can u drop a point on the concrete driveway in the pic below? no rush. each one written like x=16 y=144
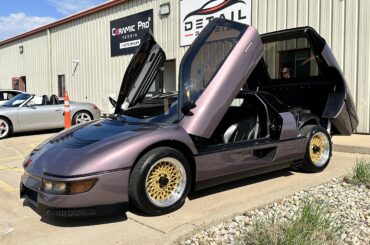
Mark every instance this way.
x=20 y=224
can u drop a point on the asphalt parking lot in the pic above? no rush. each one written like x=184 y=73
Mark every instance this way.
x=21 y=224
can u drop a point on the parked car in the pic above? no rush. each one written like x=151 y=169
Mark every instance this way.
x=233 y=117
x=27 y=112
x=7 y=94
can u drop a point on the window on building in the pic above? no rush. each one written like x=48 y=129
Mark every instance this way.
x=61 y=85
x=19 y=83
x=294 y=63
x=290 y=59
x=166 y=79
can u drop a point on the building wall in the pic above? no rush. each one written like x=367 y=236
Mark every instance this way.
x=33 y=63
x=88 y=40
x=343 y=23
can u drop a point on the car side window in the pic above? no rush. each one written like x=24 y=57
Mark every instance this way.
x=8 y=96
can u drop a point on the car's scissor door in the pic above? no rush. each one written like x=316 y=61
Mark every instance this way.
x=140 y=73
x=212 y=72
x=339 y=106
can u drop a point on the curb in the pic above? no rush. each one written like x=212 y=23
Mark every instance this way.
x=351 y=149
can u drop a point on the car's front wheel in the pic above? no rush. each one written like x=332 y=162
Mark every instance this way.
x=160 y=181
x=319 y=148
x=81 y=117
x=5 y=128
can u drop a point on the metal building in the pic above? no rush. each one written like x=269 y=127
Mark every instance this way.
x=76 y=53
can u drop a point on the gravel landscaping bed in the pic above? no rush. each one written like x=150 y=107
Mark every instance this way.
x=347 y=204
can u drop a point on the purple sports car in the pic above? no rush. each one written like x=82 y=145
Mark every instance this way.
x=247 y=104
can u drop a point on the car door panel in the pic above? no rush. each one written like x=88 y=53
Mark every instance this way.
x=215 y=166
x=40 y=117
x=140 y=73
x=224 y=86
x=229 y=161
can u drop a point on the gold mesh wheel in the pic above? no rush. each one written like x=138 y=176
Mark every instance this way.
x=319 y=149
x=165 y=182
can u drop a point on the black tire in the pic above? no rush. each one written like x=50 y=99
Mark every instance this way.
x=79 y=114
x=317 y=156
x=141 y=198
x=8 y=124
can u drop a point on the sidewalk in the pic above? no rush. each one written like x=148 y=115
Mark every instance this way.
x=357 y=143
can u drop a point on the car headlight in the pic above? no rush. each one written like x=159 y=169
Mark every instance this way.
x=67 y=187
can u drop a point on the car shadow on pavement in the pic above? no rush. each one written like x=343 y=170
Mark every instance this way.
x=120 y=217
x=83 y=221
x=50 y=131
x=239 y=183
x=78 y=221
x=227 y=186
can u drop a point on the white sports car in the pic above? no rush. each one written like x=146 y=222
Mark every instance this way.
x=27 y=112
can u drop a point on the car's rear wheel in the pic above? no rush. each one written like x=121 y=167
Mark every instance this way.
x=160 y=181
x=5 y=128
x=81 y=117
x=319 y=148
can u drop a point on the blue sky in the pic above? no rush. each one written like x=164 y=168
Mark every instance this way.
x=18 y=16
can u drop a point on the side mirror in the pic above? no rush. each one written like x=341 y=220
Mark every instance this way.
x=187 y=107
x=113 y=102
x=31 y=104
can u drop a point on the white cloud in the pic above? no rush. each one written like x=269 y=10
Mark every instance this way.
x=17 y=23
x=68 y=7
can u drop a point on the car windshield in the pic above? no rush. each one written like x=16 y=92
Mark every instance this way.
x=156 y=107
x=17 y=100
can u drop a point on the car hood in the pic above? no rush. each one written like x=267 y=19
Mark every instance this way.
x=107 y=128
x=91 y=148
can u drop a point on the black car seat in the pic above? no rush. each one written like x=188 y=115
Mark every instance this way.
x=246 y=129
x=45 y=100
x=54 y=100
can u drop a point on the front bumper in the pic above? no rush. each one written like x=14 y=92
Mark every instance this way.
x=109 y=195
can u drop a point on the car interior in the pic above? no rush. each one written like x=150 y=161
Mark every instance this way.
x=246 y=120
x=44 y=100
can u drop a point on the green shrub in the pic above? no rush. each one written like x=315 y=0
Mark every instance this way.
x=311 y=224
x=361 y=172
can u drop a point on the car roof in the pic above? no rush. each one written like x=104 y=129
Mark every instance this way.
x=11 y=90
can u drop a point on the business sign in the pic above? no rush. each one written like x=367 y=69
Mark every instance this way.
x=126 y=33
x=196 y=14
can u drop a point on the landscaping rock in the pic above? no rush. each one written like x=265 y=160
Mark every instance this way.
x=349 y=202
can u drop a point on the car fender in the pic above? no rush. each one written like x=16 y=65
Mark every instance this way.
x=12 y=115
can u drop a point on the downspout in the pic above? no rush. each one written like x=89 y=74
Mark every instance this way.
x=50 y=66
